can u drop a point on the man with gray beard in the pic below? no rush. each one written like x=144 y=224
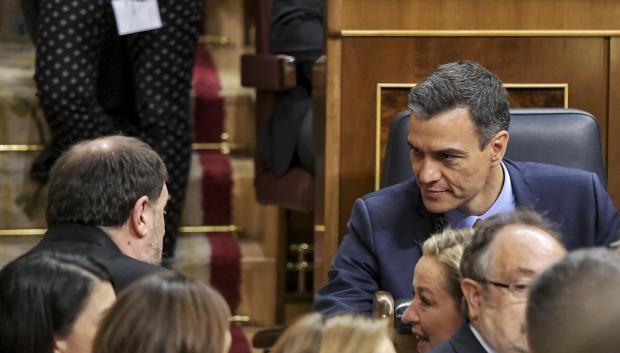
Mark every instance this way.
x=106 y=200
x=506 y=254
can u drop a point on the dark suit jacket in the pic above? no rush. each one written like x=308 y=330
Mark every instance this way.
x=388 y=227
x=463 y=341
x=296 y=30
x=92 y=241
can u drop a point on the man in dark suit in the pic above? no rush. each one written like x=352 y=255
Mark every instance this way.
x=573 y=306
x=506 y=255
x=92 y=82
x=458 y=136
x=106 y=199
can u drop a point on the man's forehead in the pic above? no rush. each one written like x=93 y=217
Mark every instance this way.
x=448 y=125
x=524 y=249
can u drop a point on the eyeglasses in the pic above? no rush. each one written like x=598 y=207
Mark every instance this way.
x=516 y=289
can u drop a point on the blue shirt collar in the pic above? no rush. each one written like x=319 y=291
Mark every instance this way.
x=505 y=203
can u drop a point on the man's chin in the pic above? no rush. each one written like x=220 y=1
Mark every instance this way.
x=435 y=206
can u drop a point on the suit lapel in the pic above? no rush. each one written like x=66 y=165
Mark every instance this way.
x=464 y=341
x=524 y=195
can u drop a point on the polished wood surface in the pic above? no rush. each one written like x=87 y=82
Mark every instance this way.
x=364 y=51
x=412 y=59
x=479 y=14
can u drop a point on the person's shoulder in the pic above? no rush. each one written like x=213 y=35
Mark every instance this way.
x=535 y=171
x=125 y=270
x=405 y=191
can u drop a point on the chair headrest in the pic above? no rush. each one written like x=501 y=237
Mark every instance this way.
x=564 y=137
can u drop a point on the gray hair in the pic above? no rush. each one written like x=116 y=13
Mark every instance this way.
x=476 y=256
x=475 y=260
x=464 y=84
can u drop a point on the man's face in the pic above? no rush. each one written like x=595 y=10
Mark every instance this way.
x=450 y=168
x=517 y=256
x=158 y=228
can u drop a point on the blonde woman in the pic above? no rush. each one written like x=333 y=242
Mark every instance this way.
x=356 y=334
x=166 y=313
x=434 y=312
x=304 y=336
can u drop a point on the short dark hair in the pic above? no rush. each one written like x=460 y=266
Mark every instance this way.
x=464 y=84
x=180 y=314
x=572 y=307
x=474 y=263
x=97 y=182
x=41 y=295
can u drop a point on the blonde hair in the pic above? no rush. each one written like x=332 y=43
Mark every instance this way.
x=447 y=247
x=165 y=313
x=304 y=336
x=353 y=334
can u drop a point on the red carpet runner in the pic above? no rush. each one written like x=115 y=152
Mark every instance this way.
x=216 y=188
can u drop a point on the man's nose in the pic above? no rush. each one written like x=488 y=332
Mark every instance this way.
x=410 y=316
x=428 y=171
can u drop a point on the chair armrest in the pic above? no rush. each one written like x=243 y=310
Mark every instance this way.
x=268 y=72
x=383 y=306
x=265 y=339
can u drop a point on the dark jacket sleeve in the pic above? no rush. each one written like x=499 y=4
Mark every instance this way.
x=353 y=274
x=607 y=220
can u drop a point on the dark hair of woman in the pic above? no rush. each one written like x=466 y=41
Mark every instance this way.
x=41 y=295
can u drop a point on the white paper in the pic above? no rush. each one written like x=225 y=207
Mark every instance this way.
x=136 y=15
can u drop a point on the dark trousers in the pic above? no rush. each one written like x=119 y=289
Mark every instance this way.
x=71 y=37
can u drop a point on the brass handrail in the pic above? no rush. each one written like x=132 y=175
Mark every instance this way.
x=224 y=147
x=231 y=228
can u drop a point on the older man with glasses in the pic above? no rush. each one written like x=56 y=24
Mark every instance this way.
x=507 y=253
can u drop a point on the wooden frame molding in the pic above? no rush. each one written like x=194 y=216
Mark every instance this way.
x=476 y=33
x=182 y=229
x=224 y=147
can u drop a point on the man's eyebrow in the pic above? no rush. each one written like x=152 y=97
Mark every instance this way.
x=525 y=271
x=419 y=290
x=452 y=152
x=447 y=151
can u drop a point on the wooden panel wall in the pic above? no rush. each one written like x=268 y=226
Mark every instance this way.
x=401 y=41
x=478 y=14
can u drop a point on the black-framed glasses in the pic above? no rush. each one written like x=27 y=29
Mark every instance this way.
x=517 y=289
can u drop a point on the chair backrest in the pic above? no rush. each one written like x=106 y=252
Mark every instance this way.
x=564 y=137
x=262 y=23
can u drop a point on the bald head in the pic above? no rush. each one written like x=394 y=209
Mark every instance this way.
x=97 y=182
x=517 y=245
x=518 y=227
x=506 y=255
